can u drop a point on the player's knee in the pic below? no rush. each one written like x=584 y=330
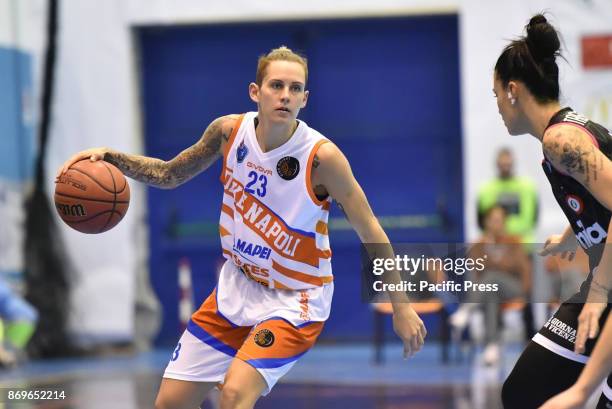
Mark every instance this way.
x=231 y=396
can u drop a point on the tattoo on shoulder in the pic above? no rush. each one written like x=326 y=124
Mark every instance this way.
x=315 y=161
x=227 y=135
x=575 y=158
x=226 y=132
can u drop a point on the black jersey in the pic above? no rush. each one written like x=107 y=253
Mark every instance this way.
x=588 y=218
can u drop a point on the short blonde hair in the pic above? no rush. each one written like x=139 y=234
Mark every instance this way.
x=281 y=53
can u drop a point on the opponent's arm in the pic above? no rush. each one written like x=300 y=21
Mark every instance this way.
x=172 y=173
x=571 y=150
x=332 y=174
x=564 y=244
x=595 y=371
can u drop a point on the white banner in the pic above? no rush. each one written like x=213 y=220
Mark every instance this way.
x=94 y=106
x=11 y=228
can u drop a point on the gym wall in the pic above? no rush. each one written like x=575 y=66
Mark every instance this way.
x=98 y=98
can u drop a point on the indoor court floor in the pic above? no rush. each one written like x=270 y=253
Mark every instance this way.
x=329 y=376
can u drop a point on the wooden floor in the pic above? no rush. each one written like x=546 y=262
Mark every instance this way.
x=338 y=377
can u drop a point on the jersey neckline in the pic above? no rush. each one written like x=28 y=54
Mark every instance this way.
x=293 y=140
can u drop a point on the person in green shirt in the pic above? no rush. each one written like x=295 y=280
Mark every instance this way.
x=519 y=198
x=517 y=195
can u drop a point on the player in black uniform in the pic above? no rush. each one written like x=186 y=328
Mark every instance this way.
x=577 y=163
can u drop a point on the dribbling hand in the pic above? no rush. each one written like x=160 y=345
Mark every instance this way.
x=93 y=154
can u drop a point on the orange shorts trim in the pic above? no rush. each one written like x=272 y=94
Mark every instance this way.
x=276 y=342
x=272 y=343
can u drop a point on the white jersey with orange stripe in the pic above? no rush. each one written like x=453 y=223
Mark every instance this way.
x=272 y=225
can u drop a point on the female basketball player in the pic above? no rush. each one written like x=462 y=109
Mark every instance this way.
x=595 y=371
x=275 y=289
x=577 y=163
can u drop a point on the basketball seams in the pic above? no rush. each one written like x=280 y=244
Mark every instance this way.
x=93 y=179
x=92 y=199
x=110 y=216
x=93 y=217
x=113 y=176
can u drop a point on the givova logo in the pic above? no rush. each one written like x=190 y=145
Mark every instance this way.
x=590 y=236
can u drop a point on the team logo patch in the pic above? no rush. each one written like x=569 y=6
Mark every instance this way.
x=575 y=203
x=241 y=152
x=288 y=167
x=264 y=338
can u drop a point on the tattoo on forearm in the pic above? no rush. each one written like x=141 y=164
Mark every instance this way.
x=143 y=169
x=183 y=167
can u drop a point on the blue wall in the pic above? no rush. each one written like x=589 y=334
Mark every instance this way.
x=16 y=154
x=16 y=134
x=386 y=91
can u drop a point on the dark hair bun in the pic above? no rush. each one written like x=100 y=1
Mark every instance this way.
x=542 y=38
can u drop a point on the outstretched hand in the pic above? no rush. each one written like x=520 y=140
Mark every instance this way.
x=556 y=245
x=410 y=328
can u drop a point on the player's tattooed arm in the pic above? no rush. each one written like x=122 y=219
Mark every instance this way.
x=572 y=151
x=575 y=154
x=186 y=165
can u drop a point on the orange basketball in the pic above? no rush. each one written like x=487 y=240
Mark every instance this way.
x=92 y=197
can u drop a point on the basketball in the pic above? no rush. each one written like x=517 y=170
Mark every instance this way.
x=92 y=197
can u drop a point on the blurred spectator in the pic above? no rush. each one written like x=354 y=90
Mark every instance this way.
x=18 y=322
x=517 y=195
x=506 y=266
x=519 y=198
